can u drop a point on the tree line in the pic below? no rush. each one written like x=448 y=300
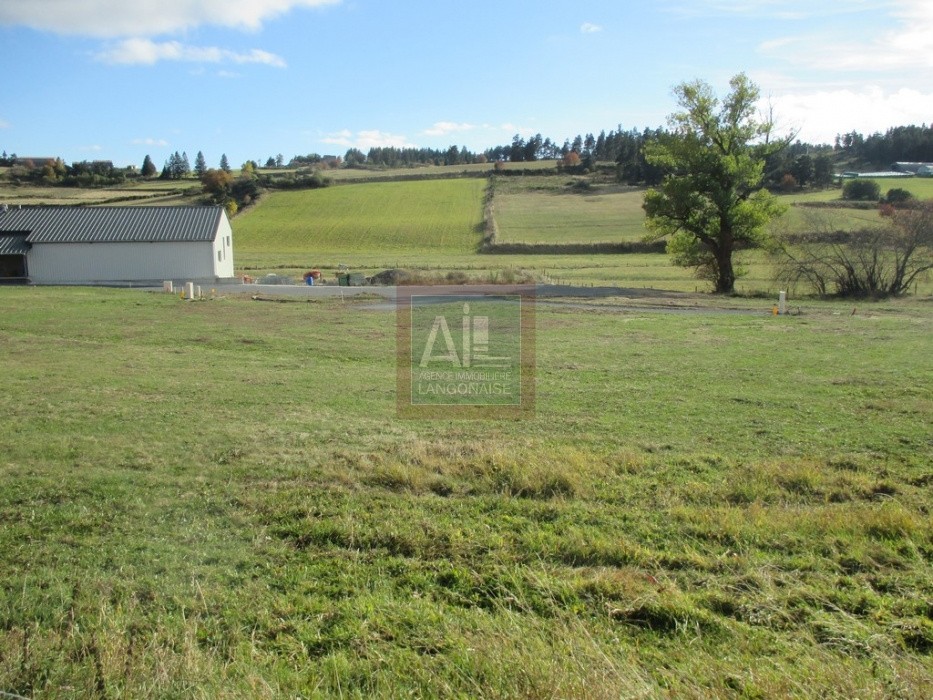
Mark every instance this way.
x=897 y=144
x=798 y=165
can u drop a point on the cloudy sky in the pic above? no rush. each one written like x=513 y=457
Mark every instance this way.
x=120 y=79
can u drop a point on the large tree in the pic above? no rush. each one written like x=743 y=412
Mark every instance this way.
x=149 y=168
x=200 y=165
x=712 y=202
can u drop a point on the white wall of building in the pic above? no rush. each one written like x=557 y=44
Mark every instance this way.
x=223 y=249
x=106 y=261
x=64 y=263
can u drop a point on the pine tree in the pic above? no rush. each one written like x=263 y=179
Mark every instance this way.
x=224 y=163
x=149 y=168
x=200 y=165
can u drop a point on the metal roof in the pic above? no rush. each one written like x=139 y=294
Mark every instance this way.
x=13 y=244
x=112 y=224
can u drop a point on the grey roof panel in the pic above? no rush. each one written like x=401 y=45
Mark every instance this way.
x=13 y=244
x=113 y=224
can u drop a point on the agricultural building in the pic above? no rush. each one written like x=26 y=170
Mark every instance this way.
x=114 y=245
x=922 y=169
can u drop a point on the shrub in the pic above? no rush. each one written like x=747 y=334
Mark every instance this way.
x=864 y=190
x=877 y=262
x=788 y=183
x=898 y=195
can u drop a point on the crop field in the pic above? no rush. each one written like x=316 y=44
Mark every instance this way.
x=436 y=226
x=215 y=500
x=349 y=174
x=920 y=187
x=557 y=210
x=141 y=192
x=373 y=219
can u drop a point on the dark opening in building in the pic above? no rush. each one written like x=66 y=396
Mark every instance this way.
x=13 y=249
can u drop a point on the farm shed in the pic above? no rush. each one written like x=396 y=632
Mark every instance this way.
x=923 y=169
x=101 y=245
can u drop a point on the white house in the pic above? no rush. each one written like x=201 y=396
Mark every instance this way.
x=101 y=245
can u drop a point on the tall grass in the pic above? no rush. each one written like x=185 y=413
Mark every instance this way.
x=214 y=499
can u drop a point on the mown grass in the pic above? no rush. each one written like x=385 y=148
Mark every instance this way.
x=433 y=226
x=473 y=169
x=215 y=500
x=429 y=217
x=567 y=210
x=436 y=226
x=134 y=192
x=920 y=187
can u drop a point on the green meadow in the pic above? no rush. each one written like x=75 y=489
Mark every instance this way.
x=364 y=222
x=567 y=210
x=216 y=500
x=437 y=226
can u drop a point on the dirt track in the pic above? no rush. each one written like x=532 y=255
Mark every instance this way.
x=551 y=296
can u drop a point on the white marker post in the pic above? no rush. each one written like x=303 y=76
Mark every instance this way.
x=190 y=291
x=782 y=303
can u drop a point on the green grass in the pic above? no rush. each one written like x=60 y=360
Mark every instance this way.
x=378 y=219
x=552 y=210
x=349 y=174
x=133 y=192
x=215 y=500
x=436 y=226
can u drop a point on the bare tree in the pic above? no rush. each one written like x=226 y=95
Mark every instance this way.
x=879 y=261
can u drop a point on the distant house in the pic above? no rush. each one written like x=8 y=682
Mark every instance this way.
x=34 y=162
x=115 y=245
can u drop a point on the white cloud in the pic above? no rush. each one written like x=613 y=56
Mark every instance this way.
x=444 y=128
x=832 y=83
x=147 y=52
x=821 y=114
x=95 y=148
x=774 y=9
x=907 y=46
x=114 y=18
x=364 y=140
x=150 y=142
x=340 y=138
x=590 y=28
x=513 y=129
x=4 y=124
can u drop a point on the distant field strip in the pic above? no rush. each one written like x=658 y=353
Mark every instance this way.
x=431 y=216
x=559 y=216
x=554 y=214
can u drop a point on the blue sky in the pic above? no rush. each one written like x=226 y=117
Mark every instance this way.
x=120 y=79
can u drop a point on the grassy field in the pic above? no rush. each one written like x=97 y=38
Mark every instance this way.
x=920 y=187
x=430 y=225
x=349 y=174
x=415 y=218
x=434 y=225
x=215 y=500
x=554 y=210
x=140 y=192
x=437 y=226
x=557 y=210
